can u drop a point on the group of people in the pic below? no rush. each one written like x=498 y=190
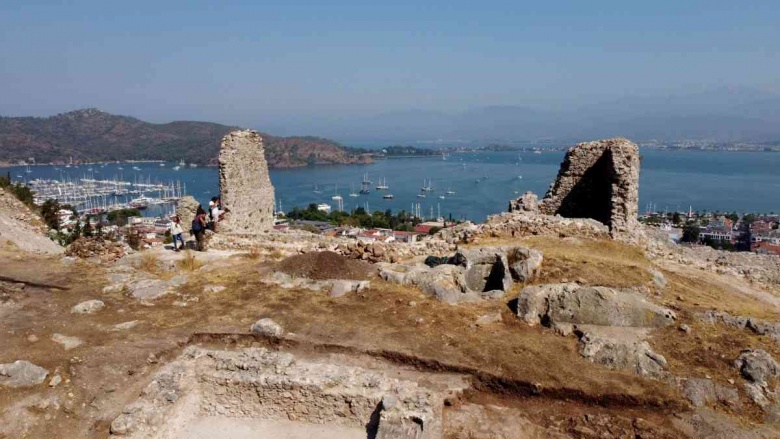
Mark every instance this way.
x=203 y=221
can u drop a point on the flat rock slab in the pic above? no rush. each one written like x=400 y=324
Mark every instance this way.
x=67 y=342
x=148 y=289
x=21 y=373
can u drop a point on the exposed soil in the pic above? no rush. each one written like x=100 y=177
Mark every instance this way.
x=325 y=265
x=530 y=370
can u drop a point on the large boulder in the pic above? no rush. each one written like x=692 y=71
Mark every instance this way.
x=598 y=180
x=444 y=282
x=244 y=185
x=574 y=304
x=758 y=366
x=524 y=263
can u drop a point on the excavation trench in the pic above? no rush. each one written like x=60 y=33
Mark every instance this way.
x=257 y=387
x=480 y=381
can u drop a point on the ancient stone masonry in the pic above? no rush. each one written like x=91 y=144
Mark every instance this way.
x=598 y=180
x=244 y=184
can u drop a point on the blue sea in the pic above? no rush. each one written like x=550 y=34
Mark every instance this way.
x=483 y=182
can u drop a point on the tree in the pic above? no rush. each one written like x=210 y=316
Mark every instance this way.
x=676 y=218
x=119 y=217
x=50 y=214
x=691 y=233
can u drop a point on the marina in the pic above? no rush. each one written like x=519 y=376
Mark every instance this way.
x=97 y=196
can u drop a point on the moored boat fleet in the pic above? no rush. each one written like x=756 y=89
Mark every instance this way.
x=94 y=196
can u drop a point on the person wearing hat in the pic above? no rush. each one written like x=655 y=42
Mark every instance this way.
x=176 y=231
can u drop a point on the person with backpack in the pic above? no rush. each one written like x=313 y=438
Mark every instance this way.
x=199 y=227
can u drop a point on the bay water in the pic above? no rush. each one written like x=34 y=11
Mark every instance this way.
x=482 y=182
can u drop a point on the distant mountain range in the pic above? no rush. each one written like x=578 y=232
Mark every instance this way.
x=727 y=114
x=93 y=135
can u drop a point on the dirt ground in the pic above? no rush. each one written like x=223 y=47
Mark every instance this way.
x=325 y=265
x=529 y=370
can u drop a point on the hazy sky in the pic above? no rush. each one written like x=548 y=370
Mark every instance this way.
x=256 y=62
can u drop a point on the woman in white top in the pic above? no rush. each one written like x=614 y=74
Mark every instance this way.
x=177 y=232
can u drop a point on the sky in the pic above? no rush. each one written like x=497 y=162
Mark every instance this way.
x=284 y=64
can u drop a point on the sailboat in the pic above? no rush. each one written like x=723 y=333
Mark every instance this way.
x=336 y=197
x=316 y=189
x=382 y=186
x=450 y=191
x=352 y=192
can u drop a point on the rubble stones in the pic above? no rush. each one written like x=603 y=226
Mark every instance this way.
x=21 y=373
x=95 y=247
x=88 y=307
x=517 y=225
x=598 y=180
x=572 y=303
x=244 y=185
x=267 y=327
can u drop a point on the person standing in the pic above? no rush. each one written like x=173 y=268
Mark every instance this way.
x=177 y=232
x=199 y=227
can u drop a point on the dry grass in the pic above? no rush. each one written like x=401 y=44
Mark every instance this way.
x=189 y=262
x=148 y=262
x=595 y=261
x=253 y=254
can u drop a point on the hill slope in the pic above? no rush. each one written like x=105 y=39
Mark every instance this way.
x=91 y=134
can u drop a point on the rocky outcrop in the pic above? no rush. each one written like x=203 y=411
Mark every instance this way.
x=598 y=180
x=23 y=228
x=760 y=370
x=470 y=274
x=758 y=326
x=612 y=325
x=244 y=185
x=574 y=304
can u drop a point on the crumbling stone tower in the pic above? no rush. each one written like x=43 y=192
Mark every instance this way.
x=244 y=184
x=598 y=180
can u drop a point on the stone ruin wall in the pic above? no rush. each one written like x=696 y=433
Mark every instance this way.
x=598 y=180
x=244 y=184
